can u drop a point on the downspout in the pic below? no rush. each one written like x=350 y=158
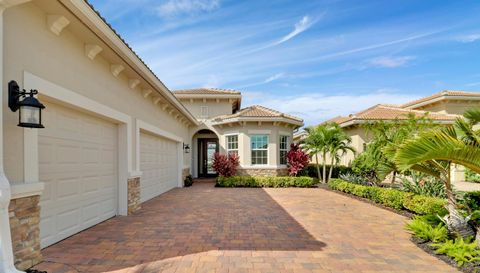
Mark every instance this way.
x=6 y=253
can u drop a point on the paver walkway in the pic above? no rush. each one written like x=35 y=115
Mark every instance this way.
x=207 y=229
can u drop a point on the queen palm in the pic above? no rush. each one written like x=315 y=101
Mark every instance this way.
x=434 y=151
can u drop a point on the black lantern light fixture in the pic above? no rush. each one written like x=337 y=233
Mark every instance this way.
x=30 y=109
x=186 y=148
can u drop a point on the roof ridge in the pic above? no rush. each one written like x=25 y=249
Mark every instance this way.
x=446 y=92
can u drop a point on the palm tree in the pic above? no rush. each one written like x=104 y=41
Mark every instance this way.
x=315 y=143
x=339 y=145
x=434 y=151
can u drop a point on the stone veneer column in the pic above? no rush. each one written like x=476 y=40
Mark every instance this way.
x=133 y=195
x=24 y=216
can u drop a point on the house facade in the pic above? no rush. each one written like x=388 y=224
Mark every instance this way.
x=442 y=108
x=115 y=136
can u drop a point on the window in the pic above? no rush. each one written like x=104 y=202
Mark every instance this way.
x=283 y=149
x=204 y=111
x=232 y=144
x=259 y=149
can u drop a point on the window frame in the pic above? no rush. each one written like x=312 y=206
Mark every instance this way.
x=227 y=143
x=252 y=150
x=280 y=150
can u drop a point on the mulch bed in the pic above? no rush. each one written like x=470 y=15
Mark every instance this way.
x=365 y=200
x=425 y=246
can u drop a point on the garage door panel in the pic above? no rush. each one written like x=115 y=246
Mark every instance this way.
x=158 y=163
x=78 y=164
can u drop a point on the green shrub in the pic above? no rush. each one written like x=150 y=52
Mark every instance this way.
x=265 y=182
x=425 y=204
x=471 y=176
x=471 y=200
x=392 y=198
x=423 y=230
x=188 y=181
x=311 y=170
x=462 y=251
x=355 y=179
x=431 y=219
x=423 y=185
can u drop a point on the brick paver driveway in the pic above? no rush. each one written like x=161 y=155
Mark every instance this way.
x=207 y=229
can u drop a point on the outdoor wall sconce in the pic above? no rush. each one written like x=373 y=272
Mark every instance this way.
x=30 y=114
x=186 y=148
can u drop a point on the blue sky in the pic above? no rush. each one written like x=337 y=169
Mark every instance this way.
x=313 y=59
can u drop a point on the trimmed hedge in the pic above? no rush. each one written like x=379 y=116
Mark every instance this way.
x=392 y=198
x=265 y=182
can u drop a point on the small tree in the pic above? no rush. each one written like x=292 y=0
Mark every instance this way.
x=225 y=165
x=297 y=159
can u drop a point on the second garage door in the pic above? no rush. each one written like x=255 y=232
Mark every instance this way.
x=78 y=163
x=159 y=165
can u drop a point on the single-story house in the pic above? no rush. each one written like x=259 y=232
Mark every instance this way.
x=115 y=136
x=442 y=108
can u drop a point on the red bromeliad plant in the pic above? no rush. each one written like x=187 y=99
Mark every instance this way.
x=297 y=159
x=225 y=165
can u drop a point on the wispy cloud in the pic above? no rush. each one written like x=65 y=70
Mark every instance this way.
x=305 y=23
x=469 y=38
x=274 y=77
x=173 y=8
x=391 y=62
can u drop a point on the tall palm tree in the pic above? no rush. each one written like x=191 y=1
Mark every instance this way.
x=434 y=151
x=315 y=144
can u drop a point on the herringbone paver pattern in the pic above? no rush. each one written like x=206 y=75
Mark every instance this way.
x=207 y=229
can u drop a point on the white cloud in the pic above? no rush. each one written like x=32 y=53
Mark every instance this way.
x=468 y=38
x=305 y=23
x=315 y=108
x=274 y=77
x=391 y=62
x=186 y=7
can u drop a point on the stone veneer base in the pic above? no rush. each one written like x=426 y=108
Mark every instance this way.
x=24 y=215
x=133 y=195
x=262 y=172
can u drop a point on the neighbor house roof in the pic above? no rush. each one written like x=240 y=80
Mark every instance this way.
x=446 y=94
x=389 y=112
x=258 y=113
x=207 y=91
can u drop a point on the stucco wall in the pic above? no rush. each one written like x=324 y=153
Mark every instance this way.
x=451 y=107
x=223 y=107
x=244 y=151
x=31 y=47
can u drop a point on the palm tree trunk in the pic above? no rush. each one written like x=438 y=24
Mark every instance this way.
x=324 y=173
x=456 y=223
x=394 y=176
x=318 y=166
x=331 y=170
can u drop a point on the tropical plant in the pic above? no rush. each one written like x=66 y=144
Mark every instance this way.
x=377 y=161
x=461 y=250
x=326 y=139
x=434 y=151
x=355 y=179
x=225 y=165
x=297 y=160
x=471 y=176
x=420 y=183
x=423 y=230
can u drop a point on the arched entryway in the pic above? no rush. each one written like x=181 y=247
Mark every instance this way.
x=205 y=144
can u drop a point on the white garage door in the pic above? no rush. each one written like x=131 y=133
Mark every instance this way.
x=158 y=163
x=78 y=164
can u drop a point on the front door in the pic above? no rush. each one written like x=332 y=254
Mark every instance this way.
x=206 y=148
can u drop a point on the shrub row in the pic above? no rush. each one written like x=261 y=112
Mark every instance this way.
x=311 y=170
x=396 y=199
x=264 y=182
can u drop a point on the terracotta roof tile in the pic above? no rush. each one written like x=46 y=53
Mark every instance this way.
x=445 y=93
x=388 y=112
x=258 y=111
x=206 y=91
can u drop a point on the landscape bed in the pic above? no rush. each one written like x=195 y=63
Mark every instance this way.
x=264 y=182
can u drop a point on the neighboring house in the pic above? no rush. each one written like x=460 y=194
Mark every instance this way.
x=260 y=136
x=114 y=135
x=443 y=108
